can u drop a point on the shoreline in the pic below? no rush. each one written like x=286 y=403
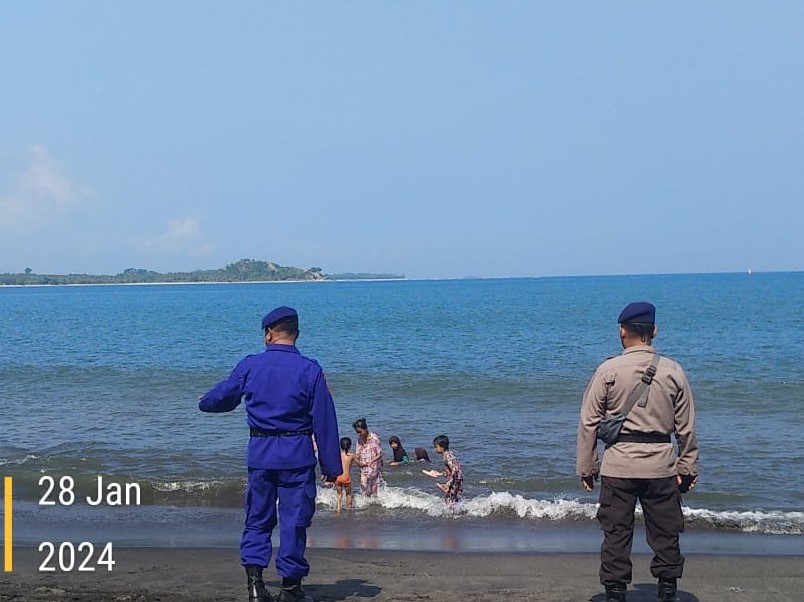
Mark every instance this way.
x=418 y=278
x=204 y=574
x=203 y=282
x=414 y=279
x=206 y=282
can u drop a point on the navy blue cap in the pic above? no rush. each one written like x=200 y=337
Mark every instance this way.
x=640 y=312
x=280 y=313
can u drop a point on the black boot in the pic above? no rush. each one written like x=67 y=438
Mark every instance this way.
x=292 y=591
x=667 y=590
x=256 y=586
x=616 y=592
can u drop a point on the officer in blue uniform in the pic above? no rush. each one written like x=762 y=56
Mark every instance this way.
x=287 y=404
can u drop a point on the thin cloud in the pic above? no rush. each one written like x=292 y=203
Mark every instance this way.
x=182 y=236
x=40 y=192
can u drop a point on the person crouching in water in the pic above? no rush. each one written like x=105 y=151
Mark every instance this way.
x=400 y=455
x=453 y=488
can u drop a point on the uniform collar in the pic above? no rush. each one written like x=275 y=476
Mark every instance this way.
x=278 y=347
x=639 y=348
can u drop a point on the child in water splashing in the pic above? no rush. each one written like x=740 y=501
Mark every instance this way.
x=453 y=470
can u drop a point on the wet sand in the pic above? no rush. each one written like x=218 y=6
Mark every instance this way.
x=202 y=575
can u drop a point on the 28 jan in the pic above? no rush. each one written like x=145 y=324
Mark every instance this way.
x=111 y=494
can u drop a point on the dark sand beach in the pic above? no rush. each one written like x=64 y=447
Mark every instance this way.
x=177 y=575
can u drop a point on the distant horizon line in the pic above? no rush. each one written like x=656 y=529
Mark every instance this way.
x=373 y=274
x=750 y=272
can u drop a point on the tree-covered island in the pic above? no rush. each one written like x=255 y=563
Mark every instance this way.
x=245 y=270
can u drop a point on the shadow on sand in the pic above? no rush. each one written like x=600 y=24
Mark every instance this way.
x=343 y=589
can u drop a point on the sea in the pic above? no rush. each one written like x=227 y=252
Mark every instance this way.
x=102 y=382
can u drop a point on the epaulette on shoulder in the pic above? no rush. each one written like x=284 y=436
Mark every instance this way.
x=312 y=360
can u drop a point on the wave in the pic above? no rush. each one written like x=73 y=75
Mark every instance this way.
x=754 y=521
x=18 y=461
x=504 y=505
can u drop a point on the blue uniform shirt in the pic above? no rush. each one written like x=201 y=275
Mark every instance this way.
x=283 y=391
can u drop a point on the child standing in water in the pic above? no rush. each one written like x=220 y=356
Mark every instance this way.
x=453 y=488
x=343 y=483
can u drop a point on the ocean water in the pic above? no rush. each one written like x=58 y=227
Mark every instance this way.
x=103 y=381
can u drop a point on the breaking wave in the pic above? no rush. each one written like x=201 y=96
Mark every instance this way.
x=505 y=505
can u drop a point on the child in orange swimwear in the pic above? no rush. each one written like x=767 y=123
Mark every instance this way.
x=343 y=483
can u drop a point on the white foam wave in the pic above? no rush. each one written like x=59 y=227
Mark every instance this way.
x=754 y=521
x=392 y=498
x=182 y=486
x=5 y=461
x=187 y=486
x=507 y=503
x=494 y=504
x=504 y=504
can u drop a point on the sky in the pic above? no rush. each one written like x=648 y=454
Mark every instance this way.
x=433 y=139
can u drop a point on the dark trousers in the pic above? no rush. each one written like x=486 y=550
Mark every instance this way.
x=661 y=508
x=295 y=491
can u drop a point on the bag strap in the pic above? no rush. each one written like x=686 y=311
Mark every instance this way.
x=640 y=393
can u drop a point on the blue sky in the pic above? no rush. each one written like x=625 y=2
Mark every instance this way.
x=435 y=139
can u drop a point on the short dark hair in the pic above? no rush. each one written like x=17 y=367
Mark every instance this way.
x=346 y=444
x=289 y=325
x=441 y=441
x=643 y=330
x=360 y=423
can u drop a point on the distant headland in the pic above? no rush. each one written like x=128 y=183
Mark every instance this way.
x=245 y=270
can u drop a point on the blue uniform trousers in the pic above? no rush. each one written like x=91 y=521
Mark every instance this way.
x=295 y=490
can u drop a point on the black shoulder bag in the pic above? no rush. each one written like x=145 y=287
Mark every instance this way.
x=608 y=431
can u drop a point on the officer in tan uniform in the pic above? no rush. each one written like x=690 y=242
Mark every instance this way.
x=643 y=464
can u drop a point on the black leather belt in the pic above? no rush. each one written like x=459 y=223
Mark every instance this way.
x=644 y=438
x=258 y=432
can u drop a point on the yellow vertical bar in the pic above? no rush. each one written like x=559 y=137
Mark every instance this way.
x=7 y=526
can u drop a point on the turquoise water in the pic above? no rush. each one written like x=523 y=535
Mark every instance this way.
x=104 y=380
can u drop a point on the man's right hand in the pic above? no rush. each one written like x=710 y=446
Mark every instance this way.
x=686 y=482
x=589 y=482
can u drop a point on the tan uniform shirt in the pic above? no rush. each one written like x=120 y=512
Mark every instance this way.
x=670 y=409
